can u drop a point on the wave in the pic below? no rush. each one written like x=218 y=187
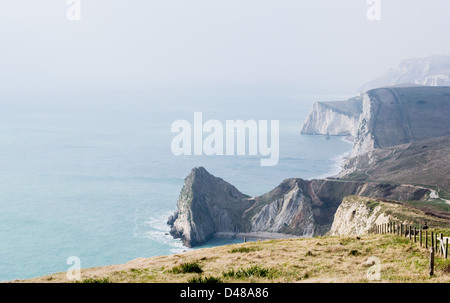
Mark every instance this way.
x=339 y=161
x=155 y=228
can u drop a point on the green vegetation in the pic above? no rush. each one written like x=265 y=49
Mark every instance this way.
x=433 y=205
x=98 y=280
x=354 y=252
x=245 y=249
x=320 y=259
x=190 y=267
x=208 y=280
x=253 y=271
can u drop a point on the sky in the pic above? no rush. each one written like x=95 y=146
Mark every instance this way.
x=309 y=46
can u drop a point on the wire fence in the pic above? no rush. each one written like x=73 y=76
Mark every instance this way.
x=436 y=242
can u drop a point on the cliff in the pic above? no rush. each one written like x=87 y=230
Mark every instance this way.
x=358 y=215
x=208 y=205
x=403 y=137
x=402 y=146
x=338 y=118
x=395 y=116
x=430 y=71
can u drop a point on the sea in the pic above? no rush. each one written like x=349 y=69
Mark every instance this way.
x=92 y=174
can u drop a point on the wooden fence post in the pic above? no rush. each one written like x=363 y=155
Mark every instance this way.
x=441 y=248
x=420 y=236
x=415 y=232
x=446 y=248
x=431 y=261
x=436 y=243
x=410 y=228
x=432 y=240
x=426 y=239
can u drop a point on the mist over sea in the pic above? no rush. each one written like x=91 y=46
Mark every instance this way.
x=92 y=175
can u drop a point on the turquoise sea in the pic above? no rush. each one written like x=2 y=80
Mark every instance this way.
x=92 y=175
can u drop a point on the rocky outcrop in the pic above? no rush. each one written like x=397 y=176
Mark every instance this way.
x=430 y=71
x=335 y=118
x=359 y=215
x=208 y=206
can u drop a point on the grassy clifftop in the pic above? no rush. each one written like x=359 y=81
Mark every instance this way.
x=320 y=259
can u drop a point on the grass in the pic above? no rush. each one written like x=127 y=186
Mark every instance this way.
x=436 y=205
x=93 y=280
x=208 y=280
x=244 y=249
x=190 y=267
x=253 y=271
x=319 y=259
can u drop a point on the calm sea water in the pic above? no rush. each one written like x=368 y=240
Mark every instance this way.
x=93 y=176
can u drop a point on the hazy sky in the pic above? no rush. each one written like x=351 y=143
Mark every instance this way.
x=315 y=46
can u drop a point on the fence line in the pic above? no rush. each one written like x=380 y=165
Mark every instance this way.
x=438 y=243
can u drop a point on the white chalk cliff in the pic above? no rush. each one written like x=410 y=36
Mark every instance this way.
x=335 y=118
x=430 y=71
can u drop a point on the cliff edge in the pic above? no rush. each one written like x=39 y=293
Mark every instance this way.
x=335 y=118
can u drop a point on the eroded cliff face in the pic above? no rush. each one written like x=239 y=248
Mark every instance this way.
x=291 y=212
x=364 y=140
x=400 y=115
x=338 y=118
x=398 y=122
x=208 y=205
x=358 y=215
